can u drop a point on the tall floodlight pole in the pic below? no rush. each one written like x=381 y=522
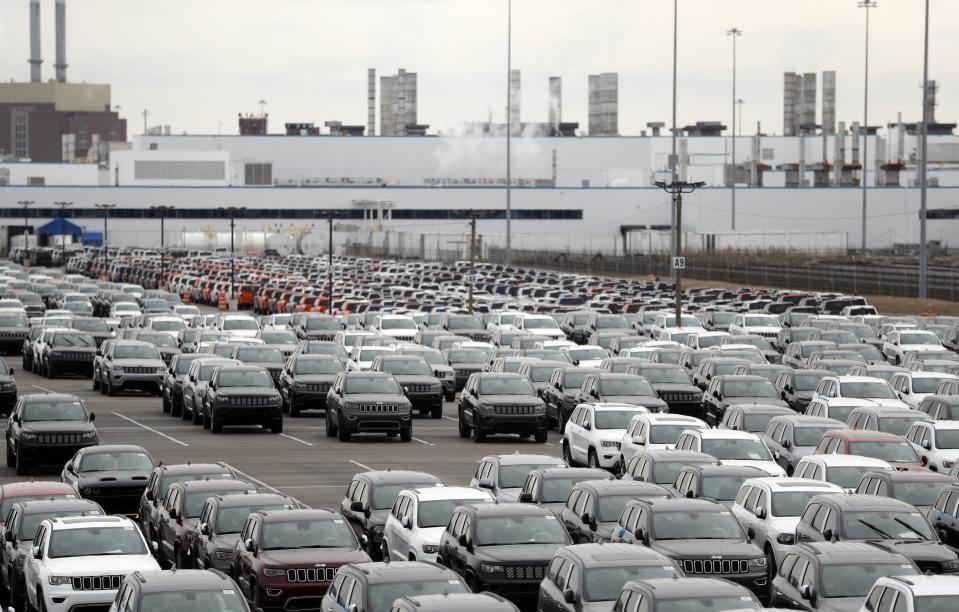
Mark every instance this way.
x=734 y=33
x=739 y=124
x=26 y=204
x=232 y=212
x=922 y=157
x=62 y=214
x=866 y=4
x=677 y=189
x=162 y=212
x=472 y=215
x=509 y=131
x=673 y=234
x=106 y=208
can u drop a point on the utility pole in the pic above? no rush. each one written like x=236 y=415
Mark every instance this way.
x=162 y=212
x=106 y=208
x=232 y=212
x=922 y=156
x=866 y=4
x=672 y=242
x=509 y=131
x=330 y=215
x=677 y=189
x=734 y=33
x=472 y=215
x=739 y=124
x=26 y=222
x=63 y=227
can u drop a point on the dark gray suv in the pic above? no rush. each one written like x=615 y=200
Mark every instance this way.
x=242 y=395
x=368 y=402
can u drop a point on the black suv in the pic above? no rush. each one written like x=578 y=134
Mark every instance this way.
x=702 y=536
x=8 y=388
x=369 y=498
x=731 y=390
x=673 y=385
x=796 y=387
x=662 y=466
x=594 y=506
x=503 y=548
x=584 y=575
x=70 y=351
x=368 y=402
x=173 y=383
x=374 y=587
x=415 y=375
x=672 y=594
x=464 y=325
x=267 y=357
x=144 y=591
x=314 y=326
x=221 y=520
x=461 y=602
x=716 y=482
x=501 y=403
x=833 y=576
x=550 y=487
x=242 y=395
x=306 y=380
x=886 y=523
x=560 y=393
x=620 y=389
x=48 y=428
x=98 y=328
x=112 y=475
x=14 y=328
x=920 y=489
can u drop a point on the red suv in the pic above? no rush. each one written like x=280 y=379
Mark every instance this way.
x=27 y=491
x=286 y=559
x=876 y=444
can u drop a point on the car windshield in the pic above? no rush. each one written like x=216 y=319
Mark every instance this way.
x=240 y=325
x=431 y=357
x=856 y=580
x=464 y=323
x=927 y=385
x=168 y=325
x=556 y=490
x=867 y=390
x=385 y=495
x=437 y=513
x=382 y=596
x=30 y=522
x=707 y=604
x=183 y=364
x=244 y=378
x=587 y=353
x=323 y=323
x=919 y=493
x=809 y=436
x=13 y=320
x=736 y=449
x=223 y=600
x=511 y=530
x=626 y=386
x=53 y=410
x=231 y=519
x=121 y=461
x=91 y=325
x=886 y=526
x=95 y=542
x=668 y=434
x=792 y=503
x=725 y=369
x=934 y=603
x=408 y=367
x=847 y=476
x=606 y=583
x=615 y=419
x=505 y=386
x=467 y=356
x=206 y=371
x=806 y=382
x=160 y=340
x=279 y=337
x=612 y=323
x=611 y=506
x=762 y=322
x=893 y=452
x=760 y=343
x=869 y=352
x=947 y=439
x=665 y=472
x=683 y=525
x=137 y=352
x=539 y=323
x=722 y=488
x=541 y=374
x=318 y=366
x=308 y=534
x=512 y=476
x=397 y=324
x=375 y=385
x=68 y=340
x=756 y=423
x=897 y=425
x=926 y=338
x=750 y=388
x=259 y=355
x=676 y=376
x=328 y=348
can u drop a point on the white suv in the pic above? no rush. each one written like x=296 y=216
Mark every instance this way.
x=913 y=387
x=80 y=561
x=901 y=341
x=418 y=518
x=936 y=443
x=912 y=594
x=731 y=448
x=594 y=433
x=540 y=325
x=400 y=327
x=765 y=325
x=858 y=391
x=655 y=431
x=843 y=470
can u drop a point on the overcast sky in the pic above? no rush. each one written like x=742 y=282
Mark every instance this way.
x=197 y=63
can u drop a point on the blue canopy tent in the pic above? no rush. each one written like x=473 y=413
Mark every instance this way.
x=59 y=227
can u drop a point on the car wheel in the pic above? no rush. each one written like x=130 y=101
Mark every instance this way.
x=111 y=390
x=474 y=583
x=450 y=396
x=344 y=434
x=11 y=458
x=21 y=464
x=178 y=559
x=195 y=415
x=464 y=429
x=276 y=426
x=567 y=455
x=215 y=425
x=51 y=371
x=479 y=435
x=206 y=420
x=592 y=460
x=770 y=570
x=437 y=411
x=292 y=408
x=103 y=388
x=330 y=427
x=541 y=435
x=385 y=550
x=406 y=434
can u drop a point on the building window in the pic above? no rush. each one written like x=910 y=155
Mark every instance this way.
x=82 y=138
x=114 y=131
x=258 y=174
x=20 y=137
x=36 y=181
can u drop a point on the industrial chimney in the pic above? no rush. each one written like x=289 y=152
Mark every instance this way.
x=61 y=65
x=35 y=59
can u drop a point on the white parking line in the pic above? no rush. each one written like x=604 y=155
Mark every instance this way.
x=423 y=441
x=365 y=467
x=44 y=389
x=263 y=485
x=549 y=444
x=150 y=429
x=451 y=419
x=297 y=440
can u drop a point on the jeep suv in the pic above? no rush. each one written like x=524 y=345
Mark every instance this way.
x=505 y=475
x=550 y=487
x=367 y=402
x=8 y=389
x=242 y=395
x=306 y=381
x=725 y=391
x=286 y=559
x=195 y=383
x=620 y=388
x=14 y=327
x=415 y=376
x=47 y=428
x=130 y=364
x=674 y=386
x=80 y=561
x=69 y=351
x=671 y=594
x=501 y=403
x=221 y=520
x=373 y=587
x=173 y=384
x=145 y=591
x=113 y=475
x=594 y=506
x=503 y=548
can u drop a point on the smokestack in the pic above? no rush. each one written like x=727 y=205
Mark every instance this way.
x=35 y=59
x=61 y=65
x=555 y=103
x=371 y=102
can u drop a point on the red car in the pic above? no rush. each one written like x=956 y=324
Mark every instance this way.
x=27 y=491
x=879 y=445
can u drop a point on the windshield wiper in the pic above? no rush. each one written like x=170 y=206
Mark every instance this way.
x=909 y=527
x=876 y=529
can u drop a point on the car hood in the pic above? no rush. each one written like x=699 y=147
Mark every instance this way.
x=512 y=400
x=57 y=426
x=744 y=401
x=785 y=524
x=113 y=478
x=546 y=331
x=374 y=398
x=415 y=379
x=431 y=535
x=589 y=363
x=140 y=363
x=106 y=564
x=637 y=400
x=840 y=604
x=245 y=391
x=770 y=467
x=597 y=606
x=706 y=549
x=312 y=556
x=225 y=541
x=508 y=495
x=676 y=388
x=917 y=551
x=314 y=378
x=919 y=348
x=526 y=553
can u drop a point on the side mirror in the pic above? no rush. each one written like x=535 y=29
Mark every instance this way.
x=587 y=426
x=149 y=495
x=805 y=592
x=827 y=534
x=407 y=523
x=93 y=417
x=760 y=513
x=356 y=506
x=68 y=467
x=786 y=443
x=690 y=494
x=462 y=541
x=751 y=533
x=204 y=529
x=525 y=497
x=354 y=608
x=776 y=455
x=11 y=371
x=35 y=551
x=639 y=440
x=248 y=544
x=926 y=444
x=484 y=483
x=569 y=596
x=8 y=536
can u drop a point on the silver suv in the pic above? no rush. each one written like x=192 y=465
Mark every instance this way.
x=131 y=364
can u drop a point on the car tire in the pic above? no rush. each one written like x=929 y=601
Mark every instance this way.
x=178 y=559
x=450 y=396
x=206 y=421
x=175 y=411
x=195 y=414
x=592 y=460
x=11 y=458
x=344 y=434
x=51 y=371
x=330 y=427
x=479 y=436
x=406 y=434
x=215 y=425
x=464 y=429
x=541 y=435
x=770 y=571
x=111 y=390
x=473 y=582
x=385 y=550
x=21 y=464
x=276 y=426
x=568 y=455
x=103 y=388
x=167 y=409
x=437 y=411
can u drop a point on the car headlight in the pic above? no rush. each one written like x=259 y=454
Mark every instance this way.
x=26 y=435
x=223 y=555
x=610 y=444
x=89 y=435
x=758 y=562
x=60 y=580
x=448 y=374
x=539 y=408
x=489 y=568
x=435 y=386
x=786 y=538
x=117 y=369
x=486 y=407
x=948 y=464
x=161 y=370
x=299 y=385
x=951 y=565
x=273 y=572
x=89 y=491
x=431 y=549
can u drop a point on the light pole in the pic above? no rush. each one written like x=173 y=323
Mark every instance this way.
x=677 y=189
x=63 y=227
x=162 y=212
x=672 y=241
x=509 y=131
x=739 y=125
x=106 y=208
x=472 y=215
x=26 y=225
x=922 y=157
x=734 y=33
x=329 y=215
x=232 y=212
x=866 y=4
